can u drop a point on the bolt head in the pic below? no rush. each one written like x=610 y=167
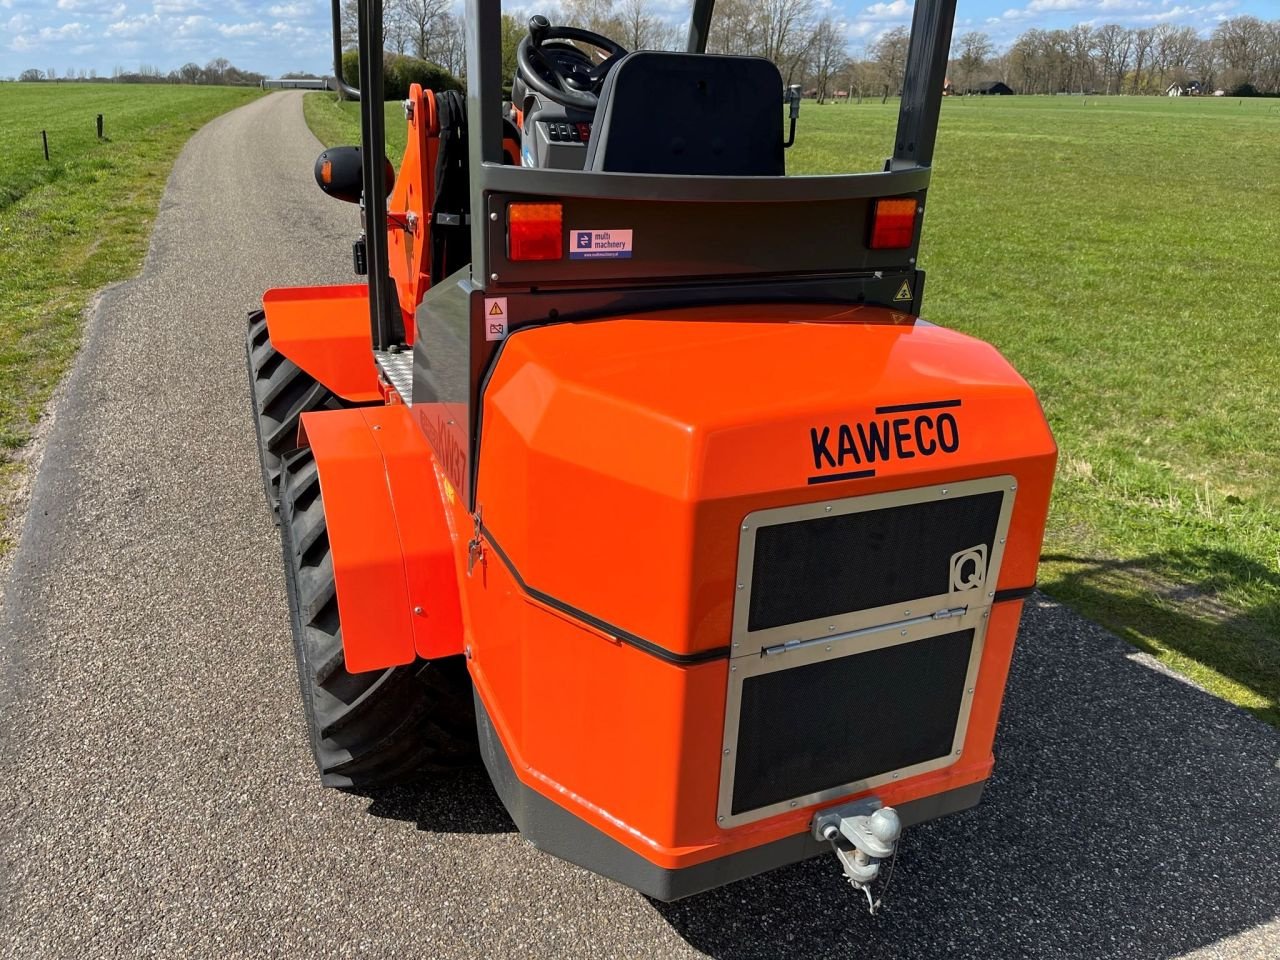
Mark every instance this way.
x=493 y=215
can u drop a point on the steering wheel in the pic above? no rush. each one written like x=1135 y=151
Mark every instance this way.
x=576 y=83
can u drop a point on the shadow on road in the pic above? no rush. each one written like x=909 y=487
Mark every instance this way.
x=1131 y=815
x=1173 y=597
x=461 y=801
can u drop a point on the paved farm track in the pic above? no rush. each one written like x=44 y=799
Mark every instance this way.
x=157 y=799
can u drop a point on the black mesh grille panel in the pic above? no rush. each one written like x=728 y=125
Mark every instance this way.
x=811 y=728
x=828 y=566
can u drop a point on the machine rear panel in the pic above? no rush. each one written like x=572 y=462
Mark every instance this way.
x=857 y=637
x=809 y=569
x=804 y=730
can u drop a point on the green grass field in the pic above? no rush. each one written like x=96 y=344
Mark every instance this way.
x=1122 y=252
x=76 y=223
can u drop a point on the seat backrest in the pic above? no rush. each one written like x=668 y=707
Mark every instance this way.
x=689 y=113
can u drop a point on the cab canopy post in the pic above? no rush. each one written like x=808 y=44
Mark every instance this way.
x=484 y=119
x=373 y=138
x=926 y=72
x=700 y=25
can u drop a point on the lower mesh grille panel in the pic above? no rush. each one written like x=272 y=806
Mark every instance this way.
x=823 y=567
x=811 y=728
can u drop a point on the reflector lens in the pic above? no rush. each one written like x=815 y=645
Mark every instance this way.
x=893 y=225
x=535 y=231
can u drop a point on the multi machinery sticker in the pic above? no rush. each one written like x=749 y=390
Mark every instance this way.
x=599 y=244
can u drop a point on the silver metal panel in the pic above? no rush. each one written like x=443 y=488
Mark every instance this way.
x=750 y=643
x=398 y=369
x=845 y=645
x=758 y=652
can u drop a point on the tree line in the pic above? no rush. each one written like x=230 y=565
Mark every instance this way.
x=811 y=48
x=219 y=70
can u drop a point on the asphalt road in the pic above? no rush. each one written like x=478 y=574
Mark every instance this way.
x=157 y=798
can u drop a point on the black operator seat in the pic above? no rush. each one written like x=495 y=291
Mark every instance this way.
x=689 y=113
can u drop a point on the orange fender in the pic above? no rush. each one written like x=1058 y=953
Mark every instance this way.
x=325 y=331
x=392 y=548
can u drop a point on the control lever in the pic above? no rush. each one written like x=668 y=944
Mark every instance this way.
x=792 y=97
x=863 y=834
x=539 y=26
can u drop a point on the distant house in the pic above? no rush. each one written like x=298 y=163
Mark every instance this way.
x=990 y=88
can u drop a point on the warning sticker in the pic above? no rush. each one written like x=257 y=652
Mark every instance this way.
x=495 y=318
x=904 y=292
x=600 y=245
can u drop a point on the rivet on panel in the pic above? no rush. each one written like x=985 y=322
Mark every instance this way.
x=904 y=633
x=418 y=611
x=726 y=751
x=493 y=216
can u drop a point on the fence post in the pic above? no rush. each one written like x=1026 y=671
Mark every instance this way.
x=44 y=137
x=99 y=126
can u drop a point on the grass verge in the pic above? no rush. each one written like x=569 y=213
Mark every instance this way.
x=74 y=224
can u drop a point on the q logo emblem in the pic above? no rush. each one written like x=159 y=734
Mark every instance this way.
x=969 y=569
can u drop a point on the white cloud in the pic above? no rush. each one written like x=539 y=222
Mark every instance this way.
x=94 y=8
x=896 y=10
x=1042 y=6
x=291 y=11
x=133 y=26
x=255 y=29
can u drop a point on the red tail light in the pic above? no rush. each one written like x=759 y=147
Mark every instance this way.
x=893 y=223
x=535 y=231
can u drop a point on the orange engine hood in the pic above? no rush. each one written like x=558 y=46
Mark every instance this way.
x=619 y=457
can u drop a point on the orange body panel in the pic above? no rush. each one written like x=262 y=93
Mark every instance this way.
x=408 y=242
x=325 y=331
x=654 y=439
x=392 y=552
x=617 y=461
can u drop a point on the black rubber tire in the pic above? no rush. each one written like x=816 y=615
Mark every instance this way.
x=281 y=392
x=366 y=729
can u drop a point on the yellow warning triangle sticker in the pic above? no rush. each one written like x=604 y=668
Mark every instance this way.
x=496 y=309
x=904 y=292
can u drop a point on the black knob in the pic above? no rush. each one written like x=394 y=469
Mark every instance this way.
x=538 y=28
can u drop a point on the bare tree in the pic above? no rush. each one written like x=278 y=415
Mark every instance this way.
x=1142 y=40
x=644 y=28
x=890 y=54
x=973 y=50
x=450 y=49
x=829 y=50
x=422 y=21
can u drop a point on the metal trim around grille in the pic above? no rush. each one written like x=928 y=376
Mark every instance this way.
x=747 y=642
x=846 y=645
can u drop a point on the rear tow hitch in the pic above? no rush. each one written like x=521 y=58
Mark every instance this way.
x=863 y=834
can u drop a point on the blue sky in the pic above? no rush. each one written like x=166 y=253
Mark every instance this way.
x=274 y=36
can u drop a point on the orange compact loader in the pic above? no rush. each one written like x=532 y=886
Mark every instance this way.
x=633 y=462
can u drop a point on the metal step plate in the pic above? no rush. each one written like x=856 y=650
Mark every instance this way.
x=398 y=369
